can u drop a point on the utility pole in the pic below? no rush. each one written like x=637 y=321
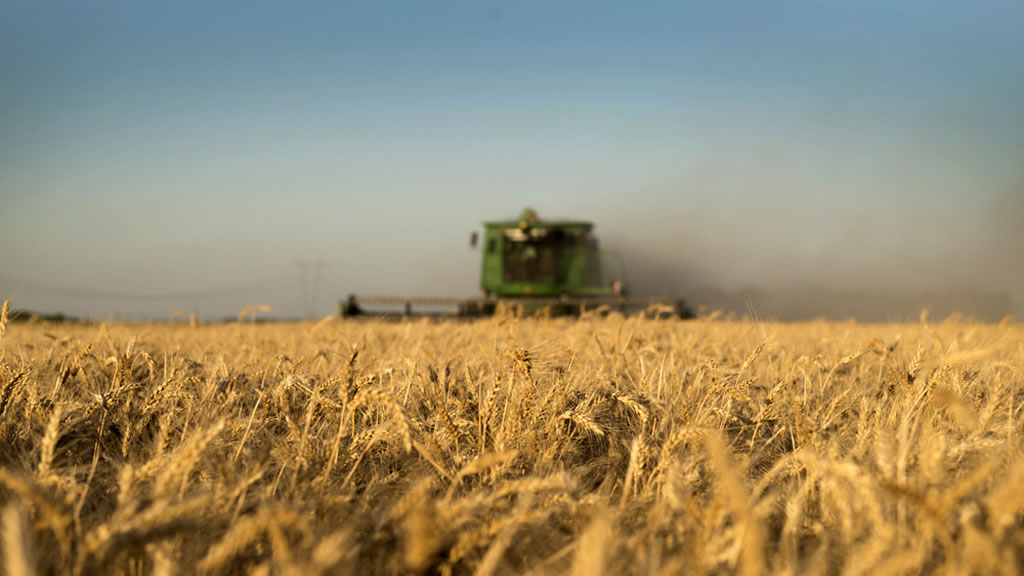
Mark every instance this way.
x=310 y=290
x=302 y=265
x=317 y=266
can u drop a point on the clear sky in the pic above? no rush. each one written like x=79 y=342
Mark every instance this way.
x=202 y=149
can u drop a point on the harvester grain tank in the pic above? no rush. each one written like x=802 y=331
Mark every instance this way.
x=536 y=264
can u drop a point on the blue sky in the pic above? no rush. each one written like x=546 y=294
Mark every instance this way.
x=203 y=148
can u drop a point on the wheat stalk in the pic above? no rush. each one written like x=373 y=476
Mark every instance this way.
x=3 y=321
x=17 y=547
x=372 y=396
x=592 y=548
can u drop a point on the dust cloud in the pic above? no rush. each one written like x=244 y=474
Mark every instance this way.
x=882 y=266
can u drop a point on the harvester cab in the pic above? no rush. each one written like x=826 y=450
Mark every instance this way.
x=530 y=257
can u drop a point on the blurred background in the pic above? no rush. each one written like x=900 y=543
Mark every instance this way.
x=787 y=159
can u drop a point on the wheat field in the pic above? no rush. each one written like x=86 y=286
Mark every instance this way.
x=598 y=445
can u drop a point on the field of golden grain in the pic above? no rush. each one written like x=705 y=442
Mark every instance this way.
x=603 y=445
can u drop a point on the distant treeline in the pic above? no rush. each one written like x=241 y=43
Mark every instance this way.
x=863 y=306
x=17 y=316
x=29 y=316
x=767 y=305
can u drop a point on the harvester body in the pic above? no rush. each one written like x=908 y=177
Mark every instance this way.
x=532 y=264
x=530 y=257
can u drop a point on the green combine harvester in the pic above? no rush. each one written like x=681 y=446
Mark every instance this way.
x=533 y=265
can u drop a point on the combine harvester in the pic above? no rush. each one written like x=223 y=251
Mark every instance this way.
x=533 y=265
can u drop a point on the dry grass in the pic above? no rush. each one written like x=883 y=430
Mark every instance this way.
x=506 y=446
